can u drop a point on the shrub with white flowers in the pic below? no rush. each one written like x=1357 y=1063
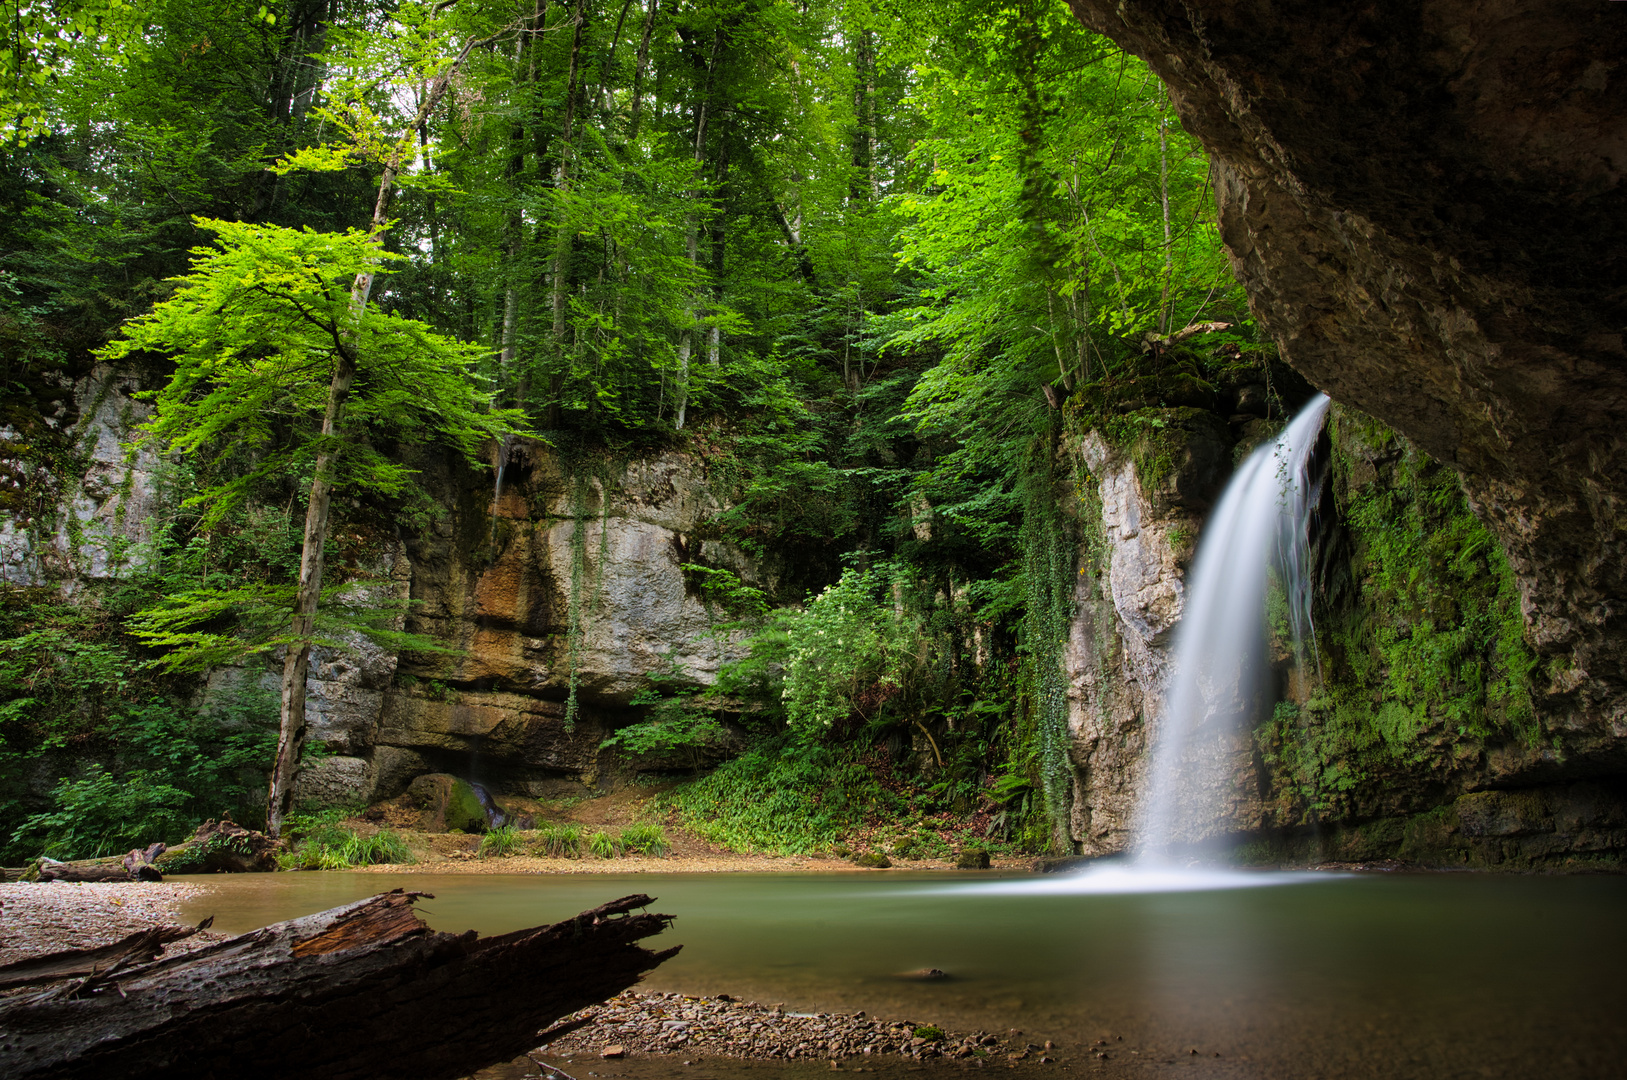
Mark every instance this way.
x=855 y=650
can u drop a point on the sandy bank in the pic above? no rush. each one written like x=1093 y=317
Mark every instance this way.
x=49 y=917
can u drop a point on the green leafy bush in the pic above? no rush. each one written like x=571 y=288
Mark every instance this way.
x=853 y=651
x=100 y=814
x=604 y=846
x=784 y=798
x=320 y=842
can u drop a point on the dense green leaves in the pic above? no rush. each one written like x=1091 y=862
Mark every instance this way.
x=853 y=255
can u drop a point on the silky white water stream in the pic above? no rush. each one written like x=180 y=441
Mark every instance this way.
x=1261 y=520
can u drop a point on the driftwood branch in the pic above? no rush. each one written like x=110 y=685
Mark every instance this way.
x=1150 y=342
x=360 y=992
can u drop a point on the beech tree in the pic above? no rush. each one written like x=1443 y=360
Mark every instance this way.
x=274 y=355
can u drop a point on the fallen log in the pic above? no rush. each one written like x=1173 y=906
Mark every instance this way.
x=113 y=868
x=359 y=992
x=222 y=847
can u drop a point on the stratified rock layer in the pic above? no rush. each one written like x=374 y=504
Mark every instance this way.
x=1426 y=204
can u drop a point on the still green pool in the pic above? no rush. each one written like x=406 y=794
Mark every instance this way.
x=1391 y=975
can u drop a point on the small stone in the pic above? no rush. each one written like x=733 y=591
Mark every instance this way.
x=1049 y=1045
x=1013 y=1034
x=616 y=1051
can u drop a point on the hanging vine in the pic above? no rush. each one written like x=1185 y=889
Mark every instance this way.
x=1050 y=557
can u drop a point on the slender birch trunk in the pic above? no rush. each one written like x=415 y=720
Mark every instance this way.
x=293 y=728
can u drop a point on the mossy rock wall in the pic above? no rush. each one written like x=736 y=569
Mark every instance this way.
x=1419 y=724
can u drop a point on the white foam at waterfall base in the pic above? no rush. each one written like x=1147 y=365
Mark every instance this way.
x=1261 y=518
x=1115 y=878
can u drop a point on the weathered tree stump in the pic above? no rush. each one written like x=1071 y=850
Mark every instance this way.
x=358 y=992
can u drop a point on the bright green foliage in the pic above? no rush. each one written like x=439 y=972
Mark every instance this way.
x=784 y=799
x=320 y=842
x=676 y=720
x=602 y=845
x=854 y=651
x=256 y=331
x=100 y=814
x=674 y=724
x=43 y=40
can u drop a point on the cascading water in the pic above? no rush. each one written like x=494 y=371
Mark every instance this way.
x=1262 y=518
x=1261 y=521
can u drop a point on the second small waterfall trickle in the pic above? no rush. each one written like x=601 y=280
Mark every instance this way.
x=1262 y=520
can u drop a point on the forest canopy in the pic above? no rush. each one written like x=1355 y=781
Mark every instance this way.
x=862 y=251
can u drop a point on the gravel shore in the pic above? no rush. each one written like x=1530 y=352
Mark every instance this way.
x=635 y=1023
x=47 y=917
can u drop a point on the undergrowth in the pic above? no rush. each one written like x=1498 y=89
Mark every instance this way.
x=320 y=842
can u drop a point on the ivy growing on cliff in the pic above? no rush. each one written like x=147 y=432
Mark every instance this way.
x=1425 y=651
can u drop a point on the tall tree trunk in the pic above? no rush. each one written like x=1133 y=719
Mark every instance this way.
x=292 y=728
x=559 y=272
x=695 y=311
x=719 y=236
x=603 y=96
x=639 y=70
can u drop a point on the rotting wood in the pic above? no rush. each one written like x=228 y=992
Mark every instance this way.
x=222 y=847
x=362 y=991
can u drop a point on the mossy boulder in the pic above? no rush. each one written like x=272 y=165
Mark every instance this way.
x=872 y=860
x=972 y=859
x=446 y=804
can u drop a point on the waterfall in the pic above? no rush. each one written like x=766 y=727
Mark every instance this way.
x=1262 y=520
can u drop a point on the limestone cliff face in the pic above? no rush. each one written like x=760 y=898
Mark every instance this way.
x=569 y=573
x=1127 y=606
x=1427 y=202
x=77 y=497
x=501 y=588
